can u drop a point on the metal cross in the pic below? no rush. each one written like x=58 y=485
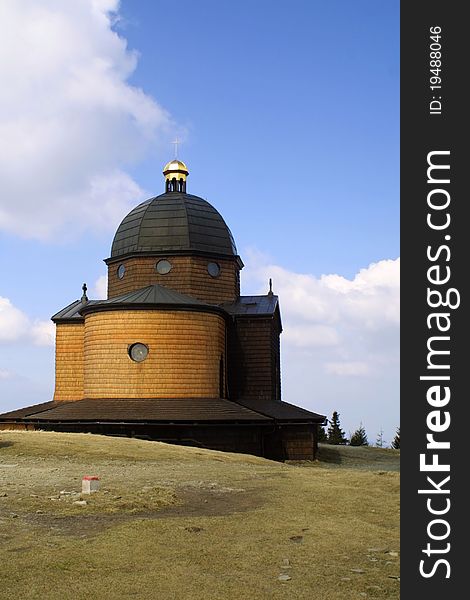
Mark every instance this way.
x=176 y=142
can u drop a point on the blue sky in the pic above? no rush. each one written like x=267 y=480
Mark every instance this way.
x=289 y=117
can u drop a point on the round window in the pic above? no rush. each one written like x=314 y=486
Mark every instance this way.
x=213 y=269
x=121 y=271
x=138 y=352
x=163 y=267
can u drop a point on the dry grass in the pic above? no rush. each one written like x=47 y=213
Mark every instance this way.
x=185 y=523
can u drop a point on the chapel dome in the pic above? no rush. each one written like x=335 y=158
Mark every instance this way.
x=173 y=222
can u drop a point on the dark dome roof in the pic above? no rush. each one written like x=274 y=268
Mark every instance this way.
x=173 y=222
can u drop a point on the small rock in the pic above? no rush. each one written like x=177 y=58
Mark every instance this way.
x=394 y=554
x=297 y=539
x=397 y=577
x=286 y=564
x=64 y=493
x=305 y=528
x=3 y=495
x=345 y=578
x=80 y=502
x=373 y=559
x=357 y=571
x=194 y=529
x=117 y=497
x=284 y=577
x=39 y=512
x=33 y=496
x=13 y=515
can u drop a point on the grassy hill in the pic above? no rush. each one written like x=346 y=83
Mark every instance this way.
x=183 y=523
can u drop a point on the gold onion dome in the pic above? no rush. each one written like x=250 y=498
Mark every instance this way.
x=174 y=167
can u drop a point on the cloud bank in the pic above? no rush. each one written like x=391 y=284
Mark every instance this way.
x=70 y=122
x=15 y=326
x=340 y=345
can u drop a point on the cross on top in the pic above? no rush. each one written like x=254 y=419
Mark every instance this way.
x=176 y=143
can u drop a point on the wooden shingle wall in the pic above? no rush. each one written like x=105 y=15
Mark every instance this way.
x=254 y=370
x=183 y=361
x=299 y=442
x=69 y=361
x=188 y=276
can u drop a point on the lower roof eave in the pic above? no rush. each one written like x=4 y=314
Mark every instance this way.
x=298 y=422
x=138 y=422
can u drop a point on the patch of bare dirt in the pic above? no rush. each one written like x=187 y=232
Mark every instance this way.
x=192 y=501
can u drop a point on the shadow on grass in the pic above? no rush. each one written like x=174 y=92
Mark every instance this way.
x=329 y=454
x=6 y=444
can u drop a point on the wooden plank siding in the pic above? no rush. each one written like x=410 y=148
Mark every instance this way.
x=188 y=276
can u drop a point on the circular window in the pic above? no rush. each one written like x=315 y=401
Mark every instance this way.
x=213 y=269
x=163 y=267
x=121 y=270
x=138 y=352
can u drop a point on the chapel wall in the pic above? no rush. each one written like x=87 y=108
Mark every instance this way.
x=185 y=349
x=69 y=360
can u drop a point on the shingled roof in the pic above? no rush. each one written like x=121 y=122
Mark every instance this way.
x=175 y=410
x=173 y=222
x=281 y=411
x=181 y=410
x=253 y=305
x=152 y=296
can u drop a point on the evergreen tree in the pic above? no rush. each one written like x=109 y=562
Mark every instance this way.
x=359 y=437
x=322 y=436
x=380 y=442
x=335 y=433
x=396 y=440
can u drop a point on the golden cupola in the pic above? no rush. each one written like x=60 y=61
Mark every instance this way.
x=175 y=173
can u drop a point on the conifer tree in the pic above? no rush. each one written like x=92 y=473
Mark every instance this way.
x=396 y=440
x=335 y=433
x=380 y=442
x=359 y=437
x=322 y=435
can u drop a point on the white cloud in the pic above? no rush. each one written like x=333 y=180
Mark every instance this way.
x=340 y=344
x=347 y=368
x=13 y=323
x=326 y=310
x=309 y=335
x=100 y=289
x=43 y=333
x=15 y=326
x=5 y=374
x=69 y=120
